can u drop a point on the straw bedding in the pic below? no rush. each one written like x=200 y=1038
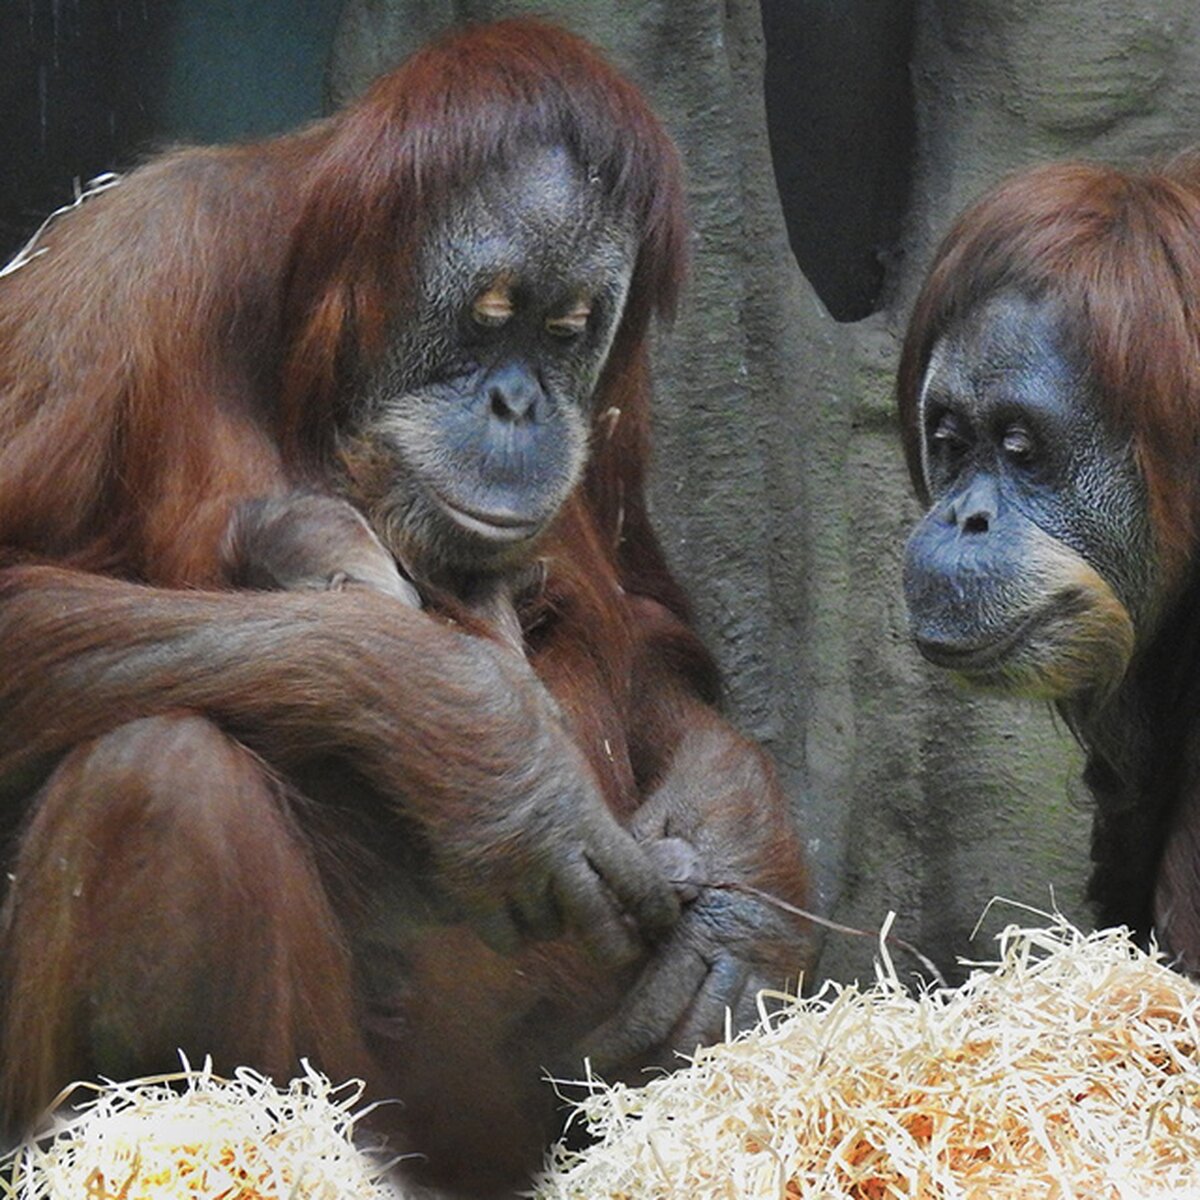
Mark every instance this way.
x=1067 y=1069
x=195 y=1136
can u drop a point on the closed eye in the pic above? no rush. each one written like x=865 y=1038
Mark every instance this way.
x=571 y=323
x=1018 y=445
x=493 y=307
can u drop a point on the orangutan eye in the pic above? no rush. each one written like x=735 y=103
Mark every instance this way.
x=1018 y=444
x=947 y=434
x=572 y=323
x=493 y=307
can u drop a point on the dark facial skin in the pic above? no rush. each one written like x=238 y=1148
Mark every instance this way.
x=1033 y=569
x=472 y=431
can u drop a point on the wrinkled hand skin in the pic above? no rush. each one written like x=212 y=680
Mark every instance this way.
x=545 y=854
x=527 y=866
x=308 y=542
x=718 y=817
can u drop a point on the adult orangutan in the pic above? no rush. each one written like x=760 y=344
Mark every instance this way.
x=1050 y=397
x=348 y=709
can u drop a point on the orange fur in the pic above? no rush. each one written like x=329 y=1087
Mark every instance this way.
x=182 y=346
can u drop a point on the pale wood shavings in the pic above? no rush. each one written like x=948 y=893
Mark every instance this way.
x=195 y=1136
x=1068 y=1068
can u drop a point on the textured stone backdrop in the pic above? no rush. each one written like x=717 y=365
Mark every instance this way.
x=779 y=487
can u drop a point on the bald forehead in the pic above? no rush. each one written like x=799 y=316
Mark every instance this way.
x=544 y=184
x=1007 y=338
x=543 y=213
x=1008 y=351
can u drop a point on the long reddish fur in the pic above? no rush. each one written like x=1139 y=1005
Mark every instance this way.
x=178 y=347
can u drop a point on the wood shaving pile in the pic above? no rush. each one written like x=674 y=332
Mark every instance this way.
x=1067 y=1069
x=195 y=1136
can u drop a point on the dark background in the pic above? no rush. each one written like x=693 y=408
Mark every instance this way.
x=90 y=86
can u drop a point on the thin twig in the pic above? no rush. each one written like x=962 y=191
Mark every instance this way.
x=775 y=901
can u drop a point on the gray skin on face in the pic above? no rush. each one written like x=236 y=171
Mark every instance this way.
x=1034 y=570
x=472 y=431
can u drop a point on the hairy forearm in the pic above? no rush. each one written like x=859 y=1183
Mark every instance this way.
x=291 y=674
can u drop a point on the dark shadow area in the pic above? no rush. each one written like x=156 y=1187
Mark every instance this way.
x=88 y=86
x=842 y=131
x=76 y=88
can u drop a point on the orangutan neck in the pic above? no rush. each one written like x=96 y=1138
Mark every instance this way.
x=1142 y=752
